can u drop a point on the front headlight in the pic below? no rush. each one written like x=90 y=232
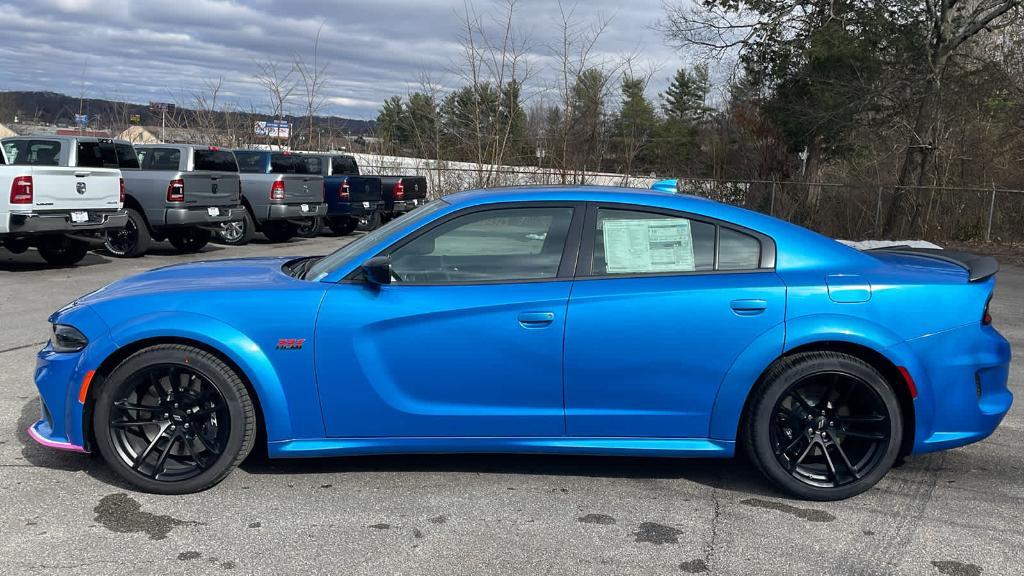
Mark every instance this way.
x=68 y=338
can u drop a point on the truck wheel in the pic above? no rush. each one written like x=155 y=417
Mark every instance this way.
x=61 y=250
x=310 y=228
x=173 y=419
x=16 y=245
x=189 y=239
x=131 y=241
x=372 y=222
x=237 y=233
x=279 y=231
x=342 y=226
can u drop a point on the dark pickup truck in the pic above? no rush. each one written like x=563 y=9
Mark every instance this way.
x=356 y=200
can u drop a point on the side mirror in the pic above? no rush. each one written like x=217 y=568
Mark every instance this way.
x=378 y=270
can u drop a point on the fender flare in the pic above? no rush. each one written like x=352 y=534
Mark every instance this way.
x=228 y=341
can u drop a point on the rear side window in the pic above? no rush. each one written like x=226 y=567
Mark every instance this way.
x=292 y=164
x=33 y=152
x=344 y=166
x=160 y=158
x=250 y=162
x=96 y=155
x=126 y=157
x=633 y=242
x=214 y=161
x=314 y=165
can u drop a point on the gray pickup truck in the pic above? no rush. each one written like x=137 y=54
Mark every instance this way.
x=179 y=192
x=280 y=191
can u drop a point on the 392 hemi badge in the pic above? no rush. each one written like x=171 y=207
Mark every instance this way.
x=290 y=343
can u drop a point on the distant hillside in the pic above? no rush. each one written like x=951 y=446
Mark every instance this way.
x=60 y=109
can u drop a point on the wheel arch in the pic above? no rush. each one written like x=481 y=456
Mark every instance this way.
x=133 y=203
x=876 y=359
x=108 y=365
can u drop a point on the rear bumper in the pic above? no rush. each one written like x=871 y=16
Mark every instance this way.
x=356 y=209
x=201 y=216
x=962 y=386
x=59 y=222
x=407 y=205
x=295 y=211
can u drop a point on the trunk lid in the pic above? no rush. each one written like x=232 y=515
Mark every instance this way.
x=303 y=188
x=58 y=188
x=971 y=267
x=211 y=188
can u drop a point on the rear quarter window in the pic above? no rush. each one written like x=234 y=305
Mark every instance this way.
x=96 y=155
x=214 y=161
x=160 y=158
x=33 y=152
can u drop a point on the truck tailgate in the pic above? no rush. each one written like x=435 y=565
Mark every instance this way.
x=364 y=189
x=210 y=188
x=60 y=188
x=415 y=187
x=303 y=188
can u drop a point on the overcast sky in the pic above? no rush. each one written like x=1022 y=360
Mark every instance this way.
x=142 y=50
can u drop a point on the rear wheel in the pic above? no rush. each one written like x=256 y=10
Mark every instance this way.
x=237 y=233
x=279 y=231
x=189 y=239
x=372 y=222
x=173 y=419
x=131 y=241
x=61 y=250
x=342 y=226
x=824 y=426
x=310 y=228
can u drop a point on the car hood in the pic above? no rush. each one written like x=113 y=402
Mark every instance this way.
x=236 y=274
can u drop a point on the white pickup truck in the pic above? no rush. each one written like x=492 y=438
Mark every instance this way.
x=57 y=194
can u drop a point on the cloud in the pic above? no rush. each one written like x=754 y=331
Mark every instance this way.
x=144 y=50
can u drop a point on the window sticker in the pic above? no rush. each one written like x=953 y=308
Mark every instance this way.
x=648 y=245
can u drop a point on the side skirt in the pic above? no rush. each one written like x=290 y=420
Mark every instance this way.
x=665 y=447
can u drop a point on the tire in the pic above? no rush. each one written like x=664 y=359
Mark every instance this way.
x=131 y=241
x=311 y=228
x=342 y=225
x=61 y=250
x=837 y=440
x=279 y=231
x=173 y=450
x=237 y=233
x=189 y=240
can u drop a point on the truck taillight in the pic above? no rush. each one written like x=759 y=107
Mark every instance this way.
x=344 y=193
x=277 y=190
x=176 y=191
x=399 y=190
x=21 y=190
x=122 y=190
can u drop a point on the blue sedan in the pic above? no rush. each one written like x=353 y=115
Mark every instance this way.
x=542 y=320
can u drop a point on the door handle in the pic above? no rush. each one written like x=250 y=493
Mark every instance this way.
x=748 y=307
x=82 y=174
x=536 y=319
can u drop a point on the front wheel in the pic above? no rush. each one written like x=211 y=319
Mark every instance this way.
x=61 y=250
x=824 y=426
x=173 y=419
x=189 y=240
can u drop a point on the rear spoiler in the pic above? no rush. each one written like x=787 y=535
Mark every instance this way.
x=977 y=267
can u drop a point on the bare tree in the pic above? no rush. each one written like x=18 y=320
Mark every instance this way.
x=279 y=81
x=314 y=77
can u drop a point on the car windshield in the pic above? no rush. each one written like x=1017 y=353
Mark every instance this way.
x=341 y=256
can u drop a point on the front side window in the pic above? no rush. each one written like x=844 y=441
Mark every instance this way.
x=507 y=244
x=634 y=242
x=33 y=152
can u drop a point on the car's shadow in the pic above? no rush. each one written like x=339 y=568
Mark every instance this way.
x=31 y=261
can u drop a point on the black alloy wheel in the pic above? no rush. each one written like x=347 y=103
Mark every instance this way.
x=173 y=419
x=131 y=241
x=189 y=240
x=826 y=426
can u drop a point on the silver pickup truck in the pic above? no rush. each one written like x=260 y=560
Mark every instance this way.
x=179 y=192
x=280 y=191
x=63 y=192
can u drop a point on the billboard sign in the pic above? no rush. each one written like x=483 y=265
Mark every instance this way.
x=273 y=129
x=81 y=119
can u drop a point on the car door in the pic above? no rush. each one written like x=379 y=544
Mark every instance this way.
x=466 y=340
x=663 y=304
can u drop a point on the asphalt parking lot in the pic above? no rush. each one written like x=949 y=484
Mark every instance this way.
x=955 y=513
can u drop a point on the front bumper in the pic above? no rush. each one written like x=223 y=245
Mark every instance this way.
x=295 y=211
x=59 y=222
x=961 y=377
x=200 y=216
